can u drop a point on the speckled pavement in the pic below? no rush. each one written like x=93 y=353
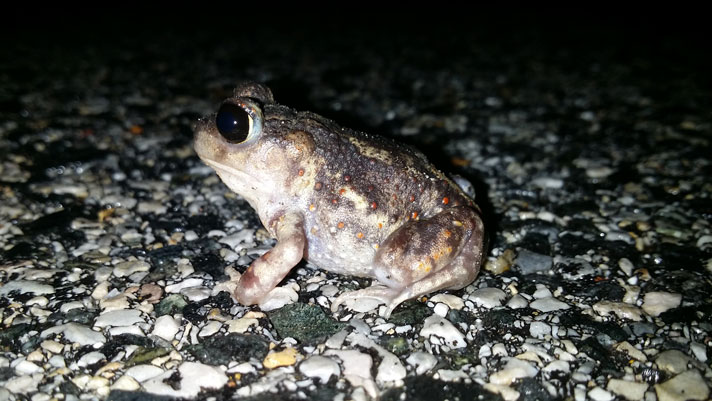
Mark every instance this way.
x=588 y=147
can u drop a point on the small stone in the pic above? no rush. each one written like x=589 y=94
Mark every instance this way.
x=25 y=367
x=355 y=363
x=320 y=367
x=23 y=384
x=452 y=301
x=688 y=385
x=187 y=283
x=76 y=333
x=599 y=394
x=436 y=326
x=599 y=172
x=514 y=369
x=672 y=361
x=279 y=297
x=123 y=317
x=210 y=329
x=441 y=309
x=488 y=297
x=286 y=357
x=632 y=352
x=166 y=327
x=655 y=303
x=242 y=324
x=530 y=262
x=699 y=351
x=542 y=292
x=126 y=383
x=626 y=266
x=539 y=329
x=549 y=304
x=125 y=269
x=422 y=361
x=390 y=369
x=52 y=346
x=146 y=207
x=144 y=372
x=620 y=309
x=25 y=287
x=633 y=391
x=90 y=359
x=517 y=302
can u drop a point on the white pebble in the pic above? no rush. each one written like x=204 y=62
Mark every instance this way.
x=24 y=384
x=166 y=327
x=688 y=385
x=672 y=361
x=125 y=269
x=422 y=361
x=599 y=172
x=26 y=286
x=441 y=309
x=196 y=294
x=517 y=302
x=557 y=365
x=144 y=372
x=539 y=329
x=52 y=346
x=454 y=302
x=620 y=309
x=655 y=303
x=541 y=292
x=279 y=297
x=320 y=367
x=514 y=369
x=76 y=333
x=390 y=369
x=122 y=317
x=549 y=304
x=25 y=367
x=699 y=351
x=626 y=265
x=126 y=383
x=210 y=329
x=90 y=358
x=435 y=325
x=599 y=394
x=633 y=391
x=187 y=283
x=488 y=297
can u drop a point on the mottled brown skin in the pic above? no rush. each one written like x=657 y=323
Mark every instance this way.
x=347 y=201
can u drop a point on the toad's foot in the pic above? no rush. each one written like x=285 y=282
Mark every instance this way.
x=390 y=296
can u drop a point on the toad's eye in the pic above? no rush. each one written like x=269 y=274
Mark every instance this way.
x=237 y=123
x=233 y=122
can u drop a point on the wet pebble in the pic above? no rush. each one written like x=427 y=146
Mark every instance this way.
x=688 y=385
x=122 y=317
x=441 y=331
x=320 y=367
x=488 y=297
x=166 y=327
x=655 y=303
x=633 y=391
x=549 y=304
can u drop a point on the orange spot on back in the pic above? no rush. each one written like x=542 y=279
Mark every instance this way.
x=301 y=172
x=312 y=207
x=359 y=235
x=340 y=225
x=342 y=191
x=446 y=200
x=374 y=205
x=447 y=233
x=414 y=215
x=380 y=226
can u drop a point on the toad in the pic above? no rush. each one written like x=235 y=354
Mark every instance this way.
x=348 y=202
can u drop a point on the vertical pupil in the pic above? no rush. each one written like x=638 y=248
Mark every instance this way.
x=233 y=123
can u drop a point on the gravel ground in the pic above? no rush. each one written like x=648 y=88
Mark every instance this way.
x=588 y=146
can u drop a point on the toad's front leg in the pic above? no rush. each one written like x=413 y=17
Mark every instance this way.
x=269 y=269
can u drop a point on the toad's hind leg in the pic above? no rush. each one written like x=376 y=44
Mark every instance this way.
x=442 y=252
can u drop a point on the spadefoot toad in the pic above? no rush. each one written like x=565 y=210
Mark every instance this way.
x=346 y=201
